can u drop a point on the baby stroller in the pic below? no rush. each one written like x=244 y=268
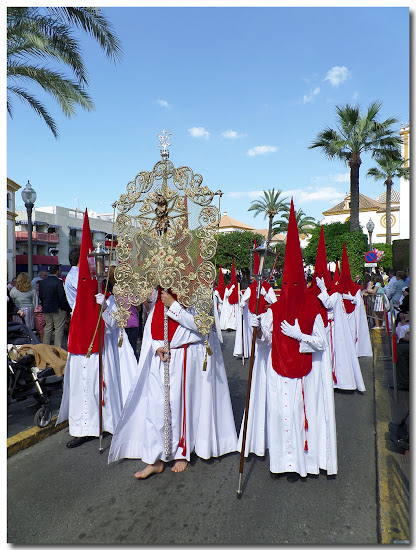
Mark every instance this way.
x=24 y=378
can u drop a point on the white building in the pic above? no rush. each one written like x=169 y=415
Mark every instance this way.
x=228 y=225
x=56 y=230
x=369 y=208
x=12 y=188
x=405 y=185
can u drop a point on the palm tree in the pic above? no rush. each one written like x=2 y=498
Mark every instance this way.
x=305 y=223
x=47 y=34
x=389 y=167
x=357 y=133
x=270 y=205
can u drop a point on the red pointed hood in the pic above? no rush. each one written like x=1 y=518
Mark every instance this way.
x=345 y=283
x=221 y=285
x=85 y=315
x=233 y=298
x=294 y=303
x=336 y=274
x=321 y=271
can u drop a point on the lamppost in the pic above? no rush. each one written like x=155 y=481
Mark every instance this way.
x=29 y=198
x=370 y=228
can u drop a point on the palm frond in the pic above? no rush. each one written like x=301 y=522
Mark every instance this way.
x=36 y=106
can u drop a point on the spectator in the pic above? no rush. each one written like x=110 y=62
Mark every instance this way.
x=25 y=298
x=378 y=292
x=358 y=280
x=407 y=278
x=54 y=305
x=11 y=284
x=41 y=275
x=392 y=278
x=394 y=293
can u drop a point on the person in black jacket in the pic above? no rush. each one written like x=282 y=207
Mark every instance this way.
x=54 y=305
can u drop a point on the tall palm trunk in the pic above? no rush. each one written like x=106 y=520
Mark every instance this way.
x=355 y=193
x=388 y=184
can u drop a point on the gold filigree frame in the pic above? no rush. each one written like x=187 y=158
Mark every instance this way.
x=160 y=244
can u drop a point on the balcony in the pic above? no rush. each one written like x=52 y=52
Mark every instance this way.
x=38 y=237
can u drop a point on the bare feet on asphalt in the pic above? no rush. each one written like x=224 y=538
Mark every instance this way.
x=179 y=466
x=156 y=468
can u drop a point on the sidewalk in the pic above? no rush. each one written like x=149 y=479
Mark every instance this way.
x=393 y=464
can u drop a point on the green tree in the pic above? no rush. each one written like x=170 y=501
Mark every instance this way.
x=270 y=205
x=305 y=223
x=335 y=235
x=237 y=245
x=389 y=166
x=47 y=34
x=356 y=134
x=387 y=260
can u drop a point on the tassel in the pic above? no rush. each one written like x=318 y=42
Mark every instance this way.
x=306 y=445
x=334 y=377
x=120 y=341
x=104 y=386
x=204 y=367
x=103 y=403
x=306 y=424
x=89 y=351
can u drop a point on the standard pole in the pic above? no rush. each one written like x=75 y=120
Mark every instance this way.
x=100 y=374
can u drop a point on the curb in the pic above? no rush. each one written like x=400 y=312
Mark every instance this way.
x=29 y=437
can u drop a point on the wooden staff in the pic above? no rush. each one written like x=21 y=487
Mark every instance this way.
x=242 y=321
x=250 y=372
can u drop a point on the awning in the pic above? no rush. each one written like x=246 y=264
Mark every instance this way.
x=74 y=227
x=56 y=226
x=37 y=259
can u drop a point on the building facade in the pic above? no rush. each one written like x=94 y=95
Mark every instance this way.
x=12 y=188
x=56 y=230
x=405 y=185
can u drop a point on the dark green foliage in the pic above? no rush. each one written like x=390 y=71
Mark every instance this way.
x=401 y=254
x=335 y=235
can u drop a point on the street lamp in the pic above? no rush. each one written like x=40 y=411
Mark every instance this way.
x=29 y=198
x=370 y=228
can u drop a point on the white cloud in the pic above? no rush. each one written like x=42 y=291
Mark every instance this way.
x=336 y=178
x=199 y=131
x=336 y=75
x=261 y=150
x=322 y=194
x=163 y=103
x=309 y=98
x=232 y=134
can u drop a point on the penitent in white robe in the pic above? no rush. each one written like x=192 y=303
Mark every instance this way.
x=244 y=332
x=276 y=419
x=80 y=398
x=210 y=425
x=359 y=328
x=342 y=348
x=217 y=302
x=229 y=312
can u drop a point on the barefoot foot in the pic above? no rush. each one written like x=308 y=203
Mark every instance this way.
x=156 y=468
x=179 y=465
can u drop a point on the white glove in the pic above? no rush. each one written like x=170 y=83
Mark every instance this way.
x=293 y=331
x=242 y=305
x=263 y=291
x=255 y=321
x=100 y=299
x=320 y=283
x=348 y=296
x=232 y=288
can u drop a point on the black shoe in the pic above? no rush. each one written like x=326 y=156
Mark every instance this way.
x=292 y=477
x=79 y=441
x=400 y=442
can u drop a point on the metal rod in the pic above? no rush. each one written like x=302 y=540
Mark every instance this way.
x=100 y=374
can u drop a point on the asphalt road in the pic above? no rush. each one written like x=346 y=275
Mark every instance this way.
x=72 y=496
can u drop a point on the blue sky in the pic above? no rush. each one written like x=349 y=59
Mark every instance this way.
x=243 y=90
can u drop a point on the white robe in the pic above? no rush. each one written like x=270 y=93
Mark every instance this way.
x=341 y=345
x=218 y=302
x=210 y=425
x=244 y=332
x=358 y=323
x=80 y=398
x=276 y=418
x=229 y=312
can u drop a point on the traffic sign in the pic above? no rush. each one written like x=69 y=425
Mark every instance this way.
x=370 y=256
